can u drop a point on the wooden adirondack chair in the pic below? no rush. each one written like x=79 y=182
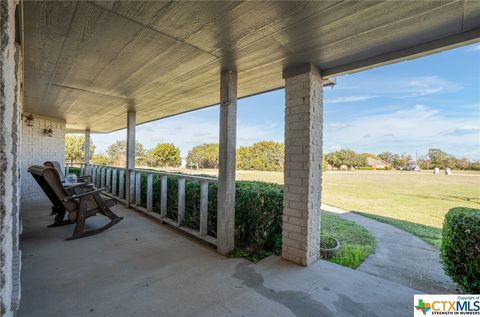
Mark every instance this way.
x=75 y=202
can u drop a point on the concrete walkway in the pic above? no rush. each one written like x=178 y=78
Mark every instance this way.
x=142 y=268
x=401 y=257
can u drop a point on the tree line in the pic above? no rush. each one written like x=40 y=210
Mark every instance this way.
x=263 y=156
x=434 y=158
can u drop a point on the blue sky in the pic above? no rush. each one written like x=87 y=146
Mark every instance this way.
x=408 y=107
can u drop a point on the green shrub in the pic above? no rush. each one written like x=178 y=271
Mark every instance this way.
x=258 y=212
x=365 y=168
x=74 y=170
x=460 y=250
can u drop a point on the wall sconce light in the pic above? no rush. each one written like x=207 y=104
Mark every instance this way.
x=48 y=132
x=29 y=120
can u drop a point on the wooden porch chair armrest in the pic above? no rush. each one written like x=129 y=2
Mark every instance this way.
x=85 y=194
x=83 y=185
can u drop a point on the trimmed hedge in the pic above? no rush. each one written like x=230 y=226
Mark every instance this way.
x=460 y=250
x=258 y=213
x=74 y=170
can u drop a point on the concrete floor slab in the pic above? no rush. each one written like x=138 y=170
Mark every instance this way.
x=142 y=268
x=401 y=257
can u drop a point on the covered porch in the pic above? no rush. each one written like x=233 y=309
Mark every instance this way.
x=143 y=268
x=97 y=67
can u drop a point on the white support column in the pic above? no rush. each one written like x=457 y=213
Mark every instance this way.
x=131 y=122
x=303 y=164
x=226 y=172
x=87 y=147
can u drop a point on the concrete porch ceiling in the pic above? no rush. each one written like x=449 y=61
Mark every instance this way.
x=88 y=62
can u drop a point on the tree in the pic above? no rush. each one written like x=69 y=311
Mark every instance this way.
x=387 y=157
x=118 y=152
x=437 y=157
x=346 y=157
x=401 y=160
x=75 y=148
x=261 y=156
x=165 y=154
x=203 y=156
x=101 y=159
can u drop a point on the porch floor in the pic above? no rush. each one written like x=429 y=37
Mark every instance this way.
x=142 y=268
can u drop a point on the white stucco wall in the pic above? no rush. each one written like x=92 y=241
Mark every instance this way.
x=36 y=148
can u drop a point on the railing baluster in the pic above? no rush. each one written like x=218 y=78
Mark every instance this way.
x=121 y=186
x=138 y=188
x=181 y=201
x=102 y=177
x=94 y=175
x=108 y=181
x=82 y=170
x=132 y=186
x=149 y=192
x=66 y=169
x=163 y=197
x=114 y=182
x=203 y=208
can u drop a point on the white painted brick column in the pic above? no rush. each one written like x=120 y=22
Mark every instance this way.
x=303 y=165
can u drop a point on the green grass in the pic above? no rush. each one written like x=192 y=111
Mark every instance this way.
x=431 y=235
x=414 y=202
x=356 y=243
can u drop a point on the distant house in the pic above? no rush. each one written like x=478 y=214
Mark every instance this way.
x=377 y=163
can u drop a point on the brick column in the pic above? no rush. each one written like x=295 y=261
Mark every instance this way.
x=303 y=164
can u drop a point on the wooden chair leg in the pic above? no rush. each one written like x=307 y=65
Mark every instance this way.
x=80 y=223
x=104 y=209
x=59 y=219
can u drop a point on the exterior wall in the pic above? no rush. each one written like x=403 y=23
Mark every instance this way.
x=36 y=148
x=303 y=167
x=10 y=106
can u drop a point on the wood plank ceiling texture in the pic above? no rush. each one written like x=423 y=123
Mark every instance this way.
x=88 y=62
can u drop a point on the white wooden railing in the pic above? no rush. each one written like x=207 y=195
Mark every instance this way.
x=115 y=179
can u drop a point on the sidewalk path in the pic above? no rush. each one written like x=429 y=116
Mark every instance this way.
x=401 y=257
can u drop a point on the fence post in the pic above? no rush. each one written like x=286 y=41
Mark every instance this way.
x=138 y=188
x=149 y=192
x=163 y=196
x=121 y=184
x=203 y=208
x=181 y=201
x=114 y=182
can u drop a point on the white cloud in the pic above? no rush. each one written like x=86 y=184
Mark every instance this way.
x=430 y=85
x=416 y=128
x=405 y=87
x=348 y=99
x=474 y=48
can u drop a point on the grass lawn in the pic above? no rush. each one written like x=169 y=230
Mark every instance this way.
x=414 y=202
x=356 y=243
